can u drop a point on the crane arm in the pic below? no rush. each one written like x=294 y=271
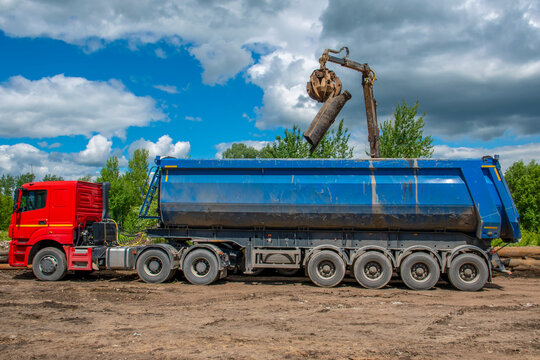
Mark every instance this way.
x=368 y=78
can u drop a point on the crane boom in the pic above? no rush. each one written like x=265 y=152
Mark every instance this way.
x=368 y=78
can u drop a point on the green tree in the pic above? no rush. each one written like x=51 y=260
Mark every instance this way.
x=111 y=173
x=403 y=136
x=51 y=177
x=240 y=151
x=24 y=179
x=87 y=178
x=134 y=186
x=8 y=184
x=335 y=145
x=292 y=145
x=524 y=183
x=138 y=170
x=125 y=196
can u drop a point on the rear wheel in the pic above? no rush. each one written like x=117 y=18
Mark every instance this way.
x=373 y=270
x=326 y=268
x=420 y=271
x=201 y=267
x=49 y=264
x=468 y=272
x=154 y=266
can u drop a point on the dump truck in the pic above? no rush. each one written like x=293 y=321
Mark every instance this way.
x=370 y=219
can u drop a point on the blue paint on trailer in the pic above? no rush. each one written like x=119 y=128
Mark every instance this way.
x=424 y=195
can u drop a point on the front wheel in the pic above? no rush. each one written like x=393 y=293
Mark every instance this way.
x=49 y=264
x=154 y=266
x=468 y=272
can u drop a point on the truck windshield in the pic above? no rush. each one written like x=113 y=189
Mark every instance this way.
x=33 y=200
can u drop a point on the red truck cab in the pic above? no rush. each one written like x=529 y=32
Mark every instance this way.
x=49 y=217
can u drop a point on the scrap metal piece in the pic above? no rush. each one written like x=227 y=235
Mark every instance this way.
x=325 y=118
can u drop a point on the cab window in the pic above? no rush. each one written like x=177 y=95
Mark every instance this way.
x=33 y=200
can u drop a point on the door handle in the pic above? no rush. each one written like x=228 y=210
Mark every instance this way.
x=42 y=222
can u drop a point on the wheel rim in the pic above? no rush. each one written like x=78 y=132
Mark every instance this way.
x=200 y=267
x=326 y=269
x=373 y=270
x=420 y=272
x=153 y=266
x=48 y=265
x=468 y=272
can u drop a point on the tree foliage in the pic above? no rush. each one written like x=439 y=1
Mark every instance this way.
x=403 y=136
x=51 y=177
x=524 y=183
x=8 y=184
x=240 y=151
x=125 y=196
x=292 y=145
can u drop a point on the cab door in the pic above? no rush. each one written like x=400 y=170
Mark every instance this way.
x=32 y=214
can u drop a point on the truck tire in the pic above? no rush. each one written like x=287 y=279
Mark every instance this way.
x=326 y=268
x=154 y=266
x=201 y=267
x=468 y=272
x=49 y=264
x=420 y=271
x=373 y=270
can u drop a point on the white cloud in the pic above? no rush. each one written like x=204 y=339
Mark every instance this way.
x=60 y=105
x=220 y=60
x=221 y=147
x=508 y=154
x=171 y=89
x=96 y=152
x=163 y=147
x=193 y=118
x=453 y=51
x=160 y=53
x=220 y=35
x=23 y=158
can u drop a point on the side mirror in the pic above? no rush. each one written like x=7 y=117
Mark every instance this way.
x=16 y=201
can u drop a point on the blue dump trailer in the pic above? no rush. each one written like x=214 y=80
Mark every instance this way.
x=417 y=218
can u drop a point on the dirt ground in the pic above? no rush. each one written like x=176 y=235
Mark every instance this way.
x=115 y=316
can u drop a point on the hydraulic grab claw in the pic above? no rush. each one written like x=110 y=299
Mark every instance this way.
x=325 y=86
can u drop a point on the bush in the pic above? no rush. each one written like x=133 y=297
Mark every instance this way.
x=528 y=238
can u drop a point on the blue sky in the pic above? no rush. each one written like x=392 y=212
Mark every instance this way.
x=82 y=81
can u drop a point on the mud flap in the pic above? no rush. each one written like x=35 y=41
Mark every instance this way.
x=496 y=263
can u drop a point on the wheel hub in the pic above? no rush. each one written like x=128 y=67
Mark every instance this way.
x=420 y=271
x=468 y=272
x=154 y=266
x=48 y=264
x=326 y=269
x=373 y=270
x=201 y=267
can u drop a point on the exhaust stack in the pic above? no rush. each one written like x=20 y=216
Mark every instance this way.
x=105 y=187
